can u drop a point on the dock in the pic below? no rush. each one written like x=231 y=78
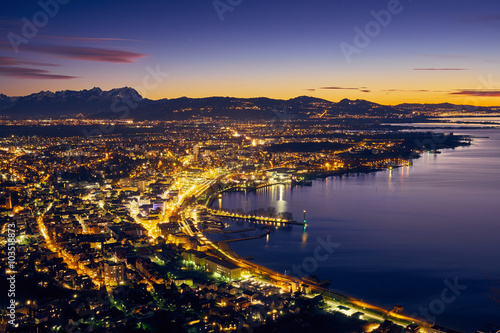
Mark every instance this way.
x=264 y=220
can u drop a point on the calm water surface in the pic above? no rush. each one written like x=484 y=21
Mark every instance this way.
x=401 y=232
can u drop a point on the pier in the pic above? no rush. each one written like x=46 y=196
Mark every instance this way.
x=255 y=219
x=240 y=188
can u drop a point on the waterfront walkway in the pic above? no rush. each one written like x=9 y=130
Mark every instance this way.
x=255 y=219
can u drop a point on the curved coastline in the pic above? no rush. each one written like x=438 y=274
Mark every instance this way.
x=343 y=173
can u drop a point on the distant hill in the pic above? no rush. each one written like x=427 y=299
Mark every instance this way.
x=127 y=103
x=4 y=101
x=64 y=103
x=445 y=107
x=360 y=106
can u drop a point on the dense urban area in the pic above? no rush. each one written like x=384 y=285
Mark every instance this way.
x=109 y=224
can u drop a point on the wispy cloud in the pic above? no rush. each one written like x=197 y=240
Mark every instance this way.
x=447 y=56
x=86 y=53
x=362 y=89
x=32 y=73
x=15 y=68
x=460 y=56
x=89 y=39
x=78 y=52
x=492 y=60
x=398 y=90
x=338 y=88
x=7 y=21
x=478 y=93
x=9 y=61
x=489 y=18
x=441 y=69
x=81 y=53
x=22 y=68
x=414 y=90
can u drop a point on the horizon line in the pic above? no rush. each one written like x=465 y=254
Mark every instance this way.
x=256 y=97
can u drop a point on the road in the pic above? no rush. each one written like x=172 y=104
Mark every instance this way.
x=334 y=299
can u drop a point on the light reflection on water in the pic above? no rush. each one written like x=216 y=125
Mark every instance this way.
x=402 y=232
x=304 y=238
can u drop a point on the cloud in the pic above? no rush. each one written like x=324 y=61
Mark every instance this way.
x=13 y=67
x=338 y=88
x=86 y=53
x=414 y=90
x=397 y=90
x=8 y=25
x=362 y=89
x=32 y=73
x=446 y=56
x=89 y=39
x=9 y=61
x=311 y=89
x=441 y=69
x=20 y=68
x=477 y=93
x=6 y=21
x=492 y=60
x=459 y=56
x=488 y=18
x=79 y=52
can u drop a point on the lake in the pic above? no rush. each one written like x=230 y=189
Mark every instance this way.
x=404 y=235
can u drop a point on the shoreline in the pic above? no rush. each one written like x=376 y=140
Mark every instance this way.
x=333 y=296
x=331 y=293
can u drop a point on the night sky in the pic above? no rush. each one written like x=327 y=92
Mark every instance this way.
x=426 y=51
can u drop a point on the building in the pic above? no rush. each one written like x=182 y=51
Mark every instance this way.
x=223 y=268
x=141 y=184
x=412 y=328
x=145 y=266
x=196 y=153
x=385 y=327
x=114 y=273
x=170 y=228
x=197 y=257
x=7 y=202
x=279 y=174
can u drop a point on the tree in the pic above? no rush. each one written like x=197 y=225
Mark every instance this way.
x=261 y=212
x=271 y=211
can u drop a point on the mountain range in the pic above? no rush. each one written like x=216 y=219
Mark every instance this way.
x=128 y=103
